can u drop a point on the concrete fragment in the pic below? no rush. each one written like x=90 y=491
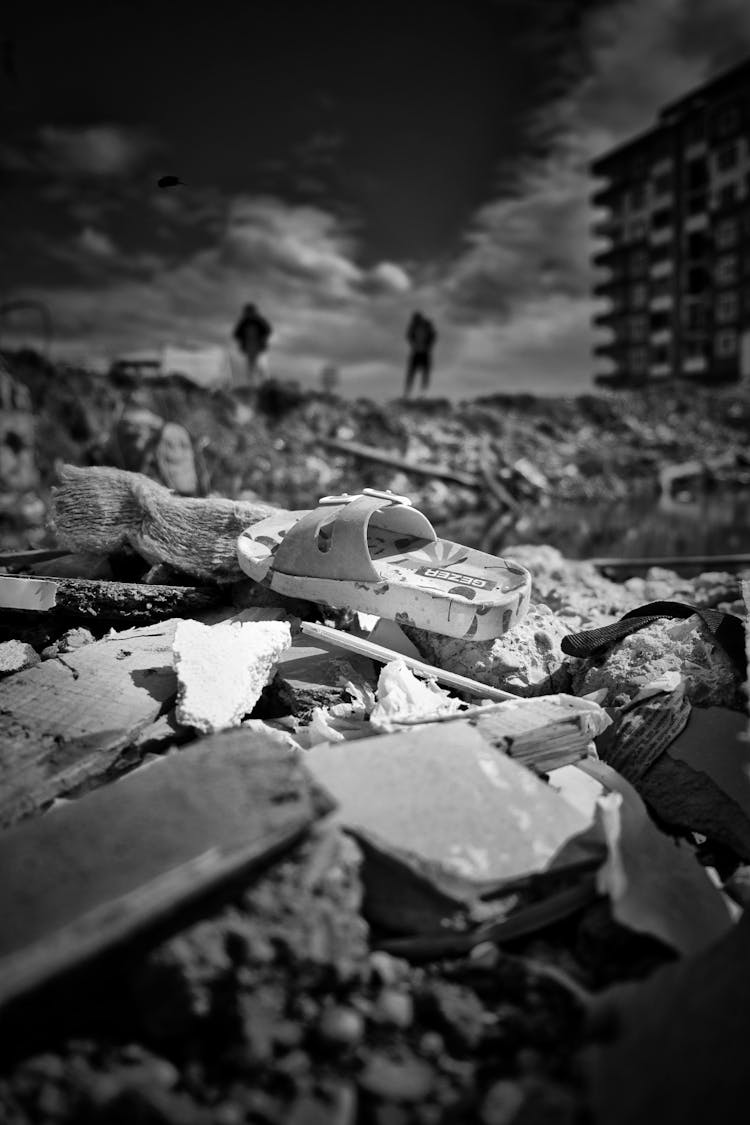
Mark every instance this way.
x=222 y=669
x=684 y=646
x=15 y=656
x=524 y=661
x=444 y=796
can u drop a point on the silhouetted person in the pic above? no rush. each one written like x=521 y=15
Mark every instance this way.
x=421 y=336
x=252 y=334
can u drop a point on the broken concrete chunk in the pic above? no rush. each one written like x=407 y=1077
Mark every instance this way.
x=15 y=656
x=222 y=669
x=444 y=797
x=94 y=871
x=656 y=885
x=33 y=594
x=522 y=661
x=684 y=646
x=63 y=722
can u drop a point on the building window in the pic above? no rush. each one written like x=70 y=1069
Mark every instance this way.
x=660 y=321
x=638 y=231
x=663 y=184
x=638 y=199
x=726 y=342
x=639 y=295
x=726 y=269
x=697 y=175
x=727 y=308
x=727 y=120
x=638 y=328
x=661 y=219
x=638 y=360
x=696 y=317
x=694 y=349
x=696 y=128
x=661 y=353
x=727 y=234
x=727 y=157
x=638 y=262
x=660 y=286
x=727 y=196
x=697 y=203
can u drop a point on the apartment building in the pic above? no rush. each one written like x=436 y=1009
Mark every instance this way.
x=673 y=275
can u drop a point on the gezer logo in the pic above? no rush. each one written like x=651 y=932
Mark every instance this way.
x=456 y=578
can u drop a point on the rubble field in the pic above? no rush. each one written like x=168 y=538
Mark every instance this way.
x=264 y=862
x=542 y=450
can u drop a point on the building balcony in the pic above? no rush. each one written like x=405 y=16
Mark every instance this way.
x=604 y=318
x=661 y=302
x=662 y=268
x=694 y=365
x=660 y=235
x=695 y=150
x=609 y=349
x=661 y=336
x=660 y=371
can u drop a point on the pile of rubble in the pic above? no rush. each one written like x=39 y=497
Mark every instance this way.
x=290 y=446
x=263 y=861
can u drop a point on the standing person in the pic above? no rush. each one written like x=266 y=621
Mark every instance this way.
x=252 y=334
x=421 y=336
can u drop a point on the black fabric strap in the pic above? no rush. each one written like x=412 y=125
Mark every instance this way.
x=728 y=630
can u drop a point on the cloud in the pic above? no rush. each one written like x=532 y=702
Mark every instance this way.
x=96 y=243
x=512 y=306
x=520 y=285
x=390 y=276
x=94 y=150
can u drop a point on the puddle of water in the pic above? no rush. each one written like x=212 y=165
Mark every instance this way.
x=712 y=523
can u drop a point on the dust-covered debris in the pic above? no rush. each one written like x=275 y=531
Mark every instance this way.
x=223 y=668
x=15 y=656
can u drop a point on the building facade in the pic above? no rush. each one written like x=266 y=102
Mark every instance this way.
x=673 y=276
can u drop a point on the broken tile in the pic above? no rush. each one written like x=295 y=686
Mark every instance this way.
x=442 y=800
x=655 y=884
x=99 y=868
x=222 y=669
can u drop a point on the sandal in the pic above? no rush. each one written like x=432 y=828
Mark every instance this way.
x=375 y=553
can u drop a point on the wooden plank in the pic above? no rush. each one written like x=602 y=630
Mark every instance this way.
x=425 y=469
x=32 y=556
x=384 y=656
x=96 y=871
x=63 y=722
x=112 y=601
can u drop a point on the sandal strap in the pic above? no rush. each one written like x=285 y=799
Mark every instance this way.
x=345 y=555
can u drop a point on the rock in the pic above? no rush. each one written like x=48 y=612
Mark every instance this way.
x=394 y=1007
x=15 y=656
x=69 y=642
x=175 y=459
x=501 y=1103
x=341 y=1026
x=399 y=1079
x=455 y=1011
x=525 y=661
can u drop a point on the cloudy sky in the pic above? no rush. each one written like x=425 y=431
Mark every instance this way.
x=343 y=164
